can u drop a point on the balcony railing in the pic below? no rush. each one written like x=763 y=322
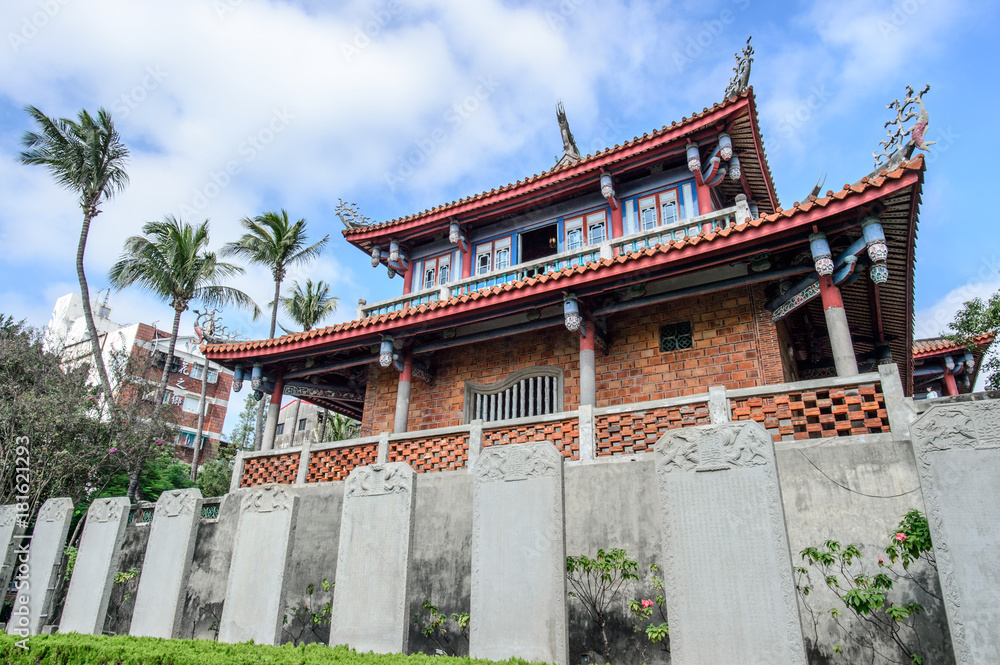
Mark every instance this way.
x=844 y=406
x=576 y=257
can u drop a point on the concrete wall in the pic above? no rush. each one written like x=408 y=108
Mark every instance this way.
x=607 y=505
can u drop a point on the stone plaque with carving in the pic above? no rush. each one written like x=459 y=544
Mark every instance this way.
x=159 y=600
x=256 y=584
x=519 y=555
x=729 y=586
x=958 y=458
x=96 y=564
x=370 y=603
x=9 y=532
x=44 y=554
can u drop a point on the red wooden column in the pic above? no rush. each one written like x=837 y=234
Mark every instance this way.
x=833 y=308
x=273 y=410
x=617 y=225
x=403 y=394
x=950 y=385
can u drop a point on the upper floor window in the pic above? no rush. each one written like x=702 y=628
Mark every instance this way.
x=436 y=271
x=589 y=230
x=493 y=255
x=597 y=228
x=666 y=208
x=280 y=429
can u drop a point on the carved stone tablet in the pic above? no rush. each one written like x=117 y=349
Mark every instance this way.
x=31 y=605
x=95 y=568
x=958 y=458
x=255 y=587
x=519 y=555
x=729 y=587
x=10 y=531
x=370 y=601
x=159 y=601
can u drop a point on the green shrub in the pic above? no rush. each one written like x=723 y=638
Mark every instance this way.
x=73 y=649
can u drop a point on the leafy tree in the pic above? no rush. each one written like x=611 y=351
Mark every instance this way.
x=85 y=156
x=597 y=582
x=977 y=318
x=216 y=474
x=274 y=241
x=242 y=434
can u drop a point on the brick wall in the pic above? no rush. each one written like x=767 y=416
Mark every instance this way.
x=734 y=344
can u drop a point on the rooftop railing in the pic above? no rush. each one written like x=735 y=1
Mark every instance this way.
x=660 y=235
x=868 y=405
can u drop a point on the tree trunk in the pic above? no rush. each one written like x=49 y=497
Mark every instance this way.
x=295 y=422
x=133 y=484
x=322 y=432
x=88 y=315
x=201 y=422
x=165 y=376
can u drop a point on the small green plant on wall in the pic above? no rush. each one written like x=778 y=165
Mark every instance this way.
x=651 y=617
x=864 y=592
x=597 y=582
x=433 y=624
x=311 y=617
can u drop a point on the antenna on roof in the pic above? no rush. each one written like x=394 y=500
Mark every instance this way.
x=741 y=72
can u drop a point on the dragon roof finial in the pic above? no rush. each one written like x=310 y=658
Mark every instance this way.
x=741 y=72
x=897 y=146
x=351 y=216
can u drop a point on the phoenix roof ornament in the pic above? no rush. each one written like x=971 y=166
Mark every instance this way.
x=207 y=329
x=741 y=72
x=351 y=216
x=570 y=152
x=897 y=147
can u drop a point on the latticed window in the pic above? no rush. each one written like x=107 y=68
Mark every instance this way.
x=535 y=391
x=675 y=336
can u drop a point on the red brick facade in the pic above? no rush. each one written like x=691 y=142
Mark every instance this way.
x=735 y=344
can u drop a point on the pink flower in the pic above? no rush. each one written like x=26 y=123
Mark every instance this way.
x=112 y=451
x=159 y=443
x=900 y=537
x=880 y=562
x=646 y=603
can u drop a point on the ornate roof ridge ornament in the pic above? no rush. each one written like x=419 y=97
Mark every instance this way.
x=741 y=72
x=897 y=148
x=570 y=152
x=351 y=216
x=207 y=329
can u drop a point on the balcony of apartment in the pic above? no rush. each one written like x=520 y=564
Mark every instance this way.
x=658 y=235
x=868 y=408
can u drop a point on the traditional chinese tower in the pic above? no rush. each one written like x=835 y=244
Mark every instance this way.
x=649 y=271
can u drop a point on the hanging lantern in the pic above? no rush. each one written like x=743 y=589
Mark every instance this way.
x=376 y=257
x=970 y=363
x=571 y=311
x=393 y=252
x=693 y=157
x=949 y=363
x=385 y=352
x=725 y=146
x=734 y=168
x=821 y=254
x=454 y=233
x=257 y=376
x=607 y=186
x=238 y=378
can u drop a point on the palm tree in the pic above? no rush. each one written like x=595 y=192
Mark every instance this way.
x=272 y=240
x=86 y=156
x=171 y=261
x=307 y=308
x=310 y=306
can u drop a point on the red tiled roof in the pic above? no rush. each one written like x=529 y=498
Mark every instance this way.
x=923 y=348
x=534 y=183
x=849 y=191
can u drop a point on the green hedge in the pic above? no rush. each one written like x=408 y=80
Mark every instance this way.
x=73 y=649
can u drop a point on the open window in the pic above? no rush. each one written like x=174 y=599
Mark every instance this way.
x=539 y=243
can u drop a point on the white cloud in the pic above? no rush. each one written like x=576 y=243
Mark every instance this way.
x=933 y=321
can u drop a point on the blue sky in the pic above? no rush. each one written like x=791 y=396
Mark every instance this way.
x=235 y=107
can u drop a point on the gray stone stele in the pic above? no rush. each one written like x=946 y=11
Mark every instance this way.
x=370 y=604
x=96 y=564
x=9 y=532
x=159 y=600
x=31 y=605
x=256 y=583
x=729 y=588
x=958 y=458
x=519 y=555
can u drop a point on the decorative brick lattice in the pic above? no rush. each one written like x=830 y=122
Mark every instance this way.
x=636 y=431
x=281 y=468
x=818 y=413
x=335 y=463
x=440 y=453
x=564 y=434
